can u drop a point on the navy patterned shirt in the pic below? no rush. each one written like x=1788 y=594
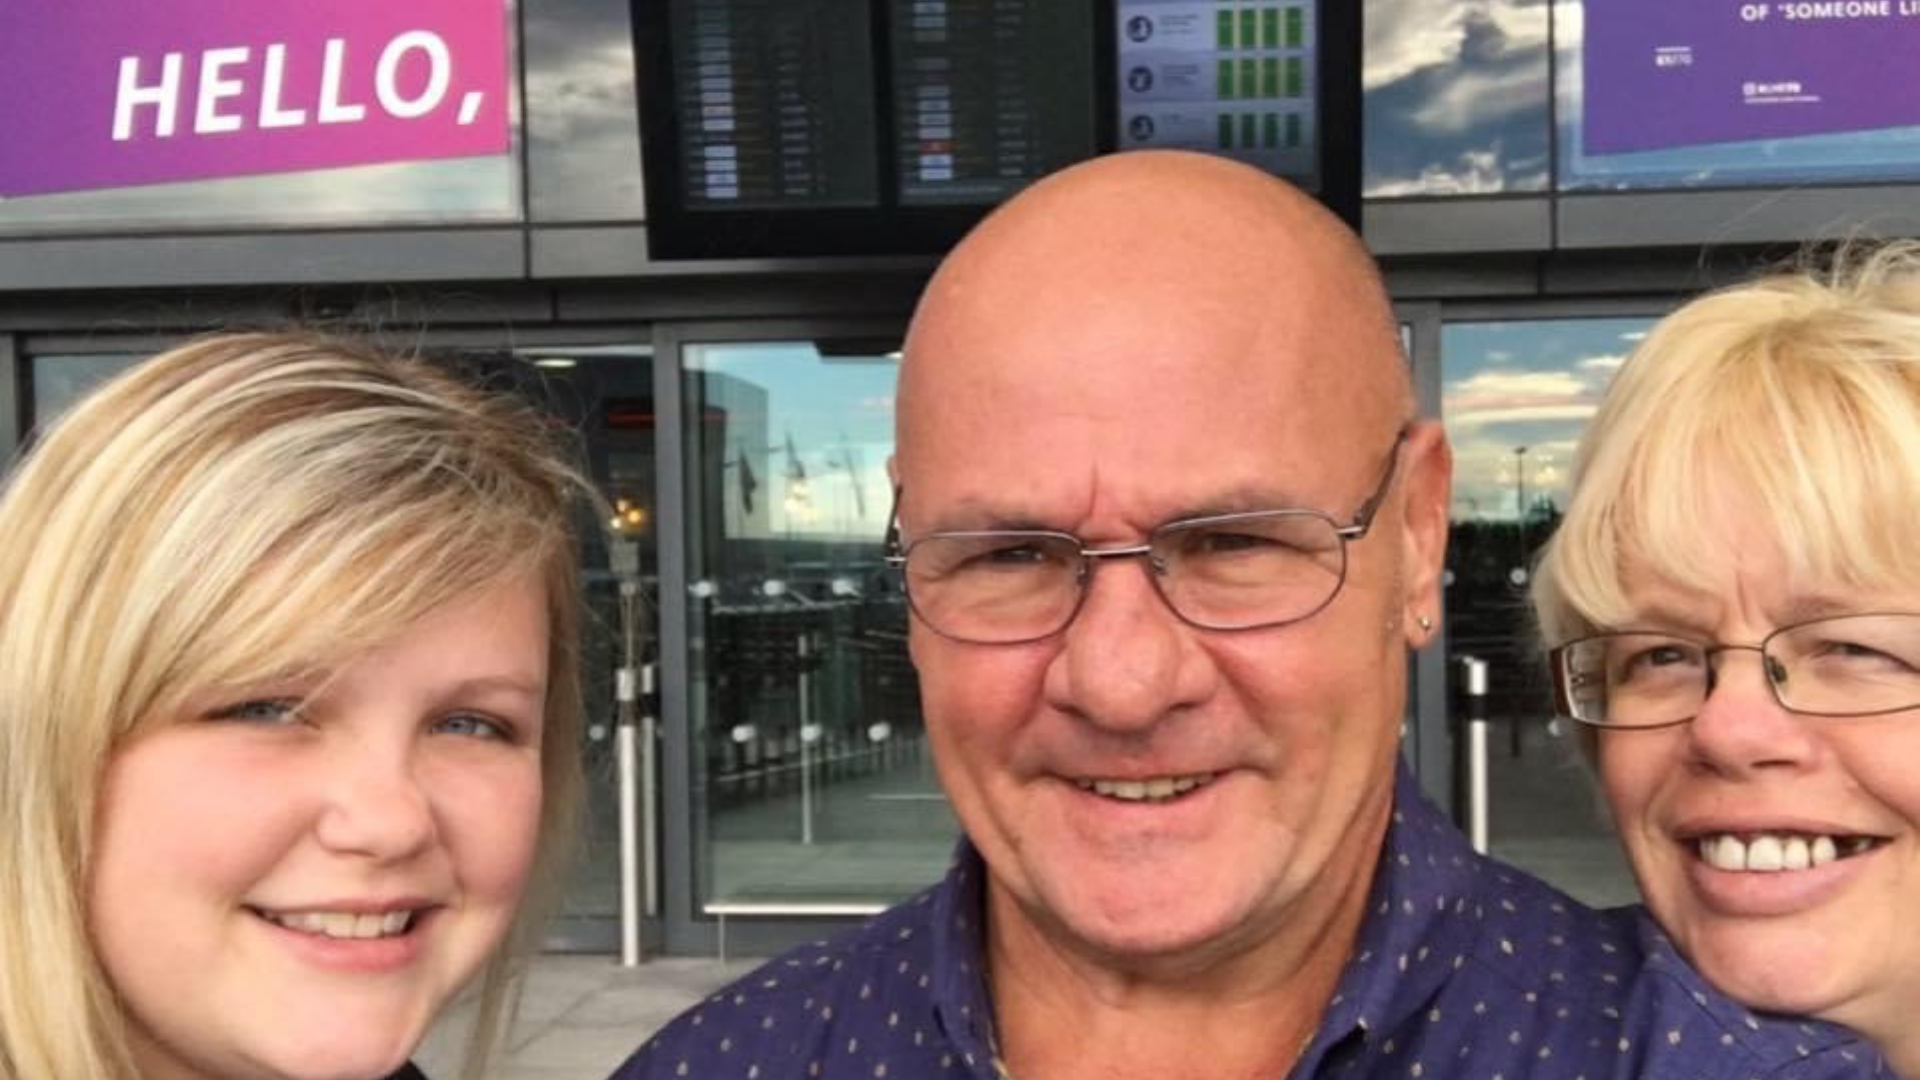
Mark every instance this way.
x=1464 y=969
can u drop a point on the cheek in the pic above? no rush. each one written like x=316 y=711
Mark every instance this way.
x=489 y=813
x=1631 y=766
x=970 y=692
x=172 y=823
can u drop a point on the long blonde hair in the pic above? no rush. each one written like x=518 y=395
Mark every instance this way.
x=227 y=511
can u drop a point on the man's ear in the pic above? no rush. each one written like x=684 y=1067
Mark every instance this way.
x=1427 y=494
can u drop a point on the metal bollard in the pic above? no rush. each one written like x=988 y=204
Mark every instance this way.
x=1473 y=709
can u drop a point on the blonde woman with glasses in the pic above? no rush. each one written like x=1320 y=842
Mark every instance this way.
x=1734 y=596
x=287 y=714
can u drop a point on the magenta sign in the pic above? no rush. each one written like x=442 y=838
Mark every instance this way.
x=108 y=93
x=1667 y=73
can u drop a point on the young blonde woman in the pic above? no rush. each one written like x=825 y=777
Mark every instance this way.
x=287 y=714
x=1735 y=596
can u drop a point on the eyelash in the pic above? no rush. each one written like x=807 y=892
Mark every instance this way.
x=493 y=729
x=290 y=710
x=284 y=710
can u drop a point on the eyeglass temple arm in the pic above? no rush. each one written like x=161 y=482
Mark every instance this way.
x=1363 y=517
x=893 y=553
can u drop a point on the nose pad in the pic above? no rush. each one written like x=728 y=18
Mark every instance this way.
x=1775 y=670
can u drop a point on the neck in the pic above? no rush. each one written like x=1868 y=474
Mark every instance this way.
x=1233 y=1009
x=1901 y=1049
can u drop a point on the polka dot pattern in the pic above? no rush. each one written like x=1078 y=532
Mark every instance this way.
x=1465 y=969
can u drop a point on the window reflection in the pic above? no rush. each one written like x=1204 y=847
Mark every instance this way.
x=1516 y=397
x=478 y=189
x=805 y=711
x=1456 y=97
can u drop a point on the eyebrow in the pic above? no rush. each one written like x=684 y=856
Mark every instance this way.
x=522 y=685
x=980 y=515
x=1801 y=609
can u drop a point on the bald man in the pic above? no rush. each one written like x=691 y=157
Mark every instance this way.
x=1168 y=524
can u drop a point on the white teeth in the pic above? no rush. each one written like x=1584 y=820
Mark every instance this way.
x=342 y=924
x=1155 y=789
x=1765 y=854
x=1774 y=852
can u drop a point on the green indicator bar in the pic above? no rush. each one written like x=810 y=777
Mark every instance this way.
x=1223 y=28
x=1293 y=129
x=1296 y=77
x=1296 y=28
x=1249 y=27
x=1249 y=78
x=1224 y=82
x=1270 y=130
x=1248 y=134
x=1270 y=77
x=1226 y=132
x=1270 y=28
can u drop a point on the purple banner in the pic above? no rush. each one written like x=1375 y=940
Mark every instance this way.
x=1665 y=73
x=112 y=93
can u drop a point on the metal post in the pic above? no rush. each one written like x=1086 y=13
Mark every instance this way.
x=806 y=744
x=633 y=747
x=1474 y=711
x=649 y=798
x=625 y=738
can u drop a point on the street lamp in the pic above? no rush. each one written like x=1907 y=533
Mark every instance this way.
x=1519 y=576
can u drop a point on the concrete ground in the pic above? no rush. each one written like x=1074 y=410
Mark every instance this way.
x=580 y=1016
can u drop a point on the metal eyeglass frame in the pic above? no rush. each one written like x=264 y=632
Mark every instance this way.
x=897 y=554
x=1773 y=672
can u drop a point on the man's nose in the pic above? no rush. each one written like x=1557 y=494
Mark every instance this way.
x=1127 y=659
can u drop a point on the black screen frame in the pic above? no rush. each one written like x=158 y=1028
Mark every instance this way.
x=676 y=231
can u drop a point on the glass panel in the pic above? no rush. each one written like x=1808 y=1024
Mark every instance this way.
x=1456 y=97
x=605 y=392
x=1702 y=127
x=59 y=381
x=805 y=712
x=461 y=190
x=1516 y=397
x=583 y=128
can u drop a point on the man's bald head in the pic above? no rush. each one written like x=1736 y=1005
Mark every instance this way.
x=1171 y=242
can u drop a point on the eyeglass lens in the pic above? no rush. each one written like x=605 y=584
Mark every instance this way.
x=1853 y=665
x=1229 y=572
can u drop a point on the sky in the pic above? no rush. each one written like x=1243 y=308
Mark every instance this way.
x=1529 y=384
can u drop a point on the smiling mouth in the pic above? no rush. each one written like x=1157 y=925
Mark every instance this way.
x=1768 y=853
x=1154 y=789
x=342 y=925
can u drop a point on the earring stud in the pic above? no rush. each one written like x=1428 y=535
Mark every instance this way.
x=1425 y=623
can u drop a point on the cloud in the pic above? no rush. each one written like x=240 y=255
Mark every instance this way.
x=1456 y=97
x=1607 y=364
x=1529 y=387
x=1406 y=36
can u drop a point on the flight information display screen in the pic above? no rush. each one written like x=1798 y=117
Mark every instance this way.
x=857 y=127
x=1237 y=79
x=775 y=103
x=989 y=95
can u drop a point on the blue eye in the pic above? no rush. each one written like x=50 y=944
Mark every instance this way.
x=472 y=726
x=259 y=711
